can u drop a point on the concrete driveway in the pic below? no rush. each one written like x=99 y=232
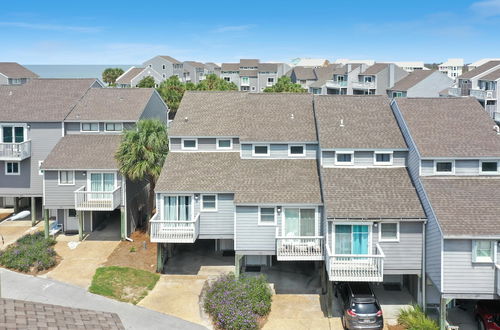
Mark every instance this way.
x=36 y=289
x=13 y=230
x=80 y=259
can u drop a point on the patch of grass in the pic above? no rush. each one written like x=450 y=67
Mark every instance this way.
x=414 y=318
x=133 y=249
x=123 y=283
x=31 y=252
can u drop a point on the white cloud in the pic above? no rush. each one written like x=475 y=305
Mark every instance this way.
x=233 y=28
x=487 y=8
x=52 y=27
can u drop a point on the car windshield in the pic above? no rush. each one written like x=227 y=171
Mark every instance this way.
x=365 y=308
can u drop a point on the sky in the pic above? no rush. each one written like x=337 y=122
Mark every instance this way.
x=126 y=32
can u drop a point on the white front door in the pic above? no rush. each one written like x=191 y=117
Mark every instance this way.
x=71 y=220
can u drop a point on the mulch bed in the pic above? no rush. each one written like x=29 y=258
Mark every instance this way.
x=133 y=254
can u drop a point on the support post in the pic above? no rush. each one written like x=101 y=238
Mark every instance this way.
x=159 y=257
x=46 y=222
x=33 y=212
x=80 y=225
x=238 y=258
x=442 y=314
x=123 y=224
x=16 y=204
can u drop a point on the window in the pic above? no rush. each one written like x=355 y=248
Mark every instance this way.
x=489 y=167
x=245 y=81
x=267 y=216
x=270 y=81
x=189 y=144
x=444 y=167
x=209 y=203
x=389 y=232
x=352 y=239
x=368 y=79
x=483 y=251
x=260 y=150
x=296 y=150
x=383 y=158
x=12 y=168
x=13 y=134
x=224 y=144
x=228 y=79
x=16 y=81
x=90 y=127
x=163 y=66
x=66 y=177
x=299 y=222
x=177 y=208
x=113 y=127
x=344 y=158
x=397 y=94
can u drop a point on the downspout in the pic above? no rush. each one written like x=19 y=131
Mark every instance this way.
x=423 y=266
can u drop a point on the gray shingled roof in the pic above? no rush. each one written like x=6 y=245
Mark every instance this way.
x=368 y=122
x=465 y=206
x=450 y=127
x=41 y=100
x=269 y=117
x=303 y=73
x=268 y=67
x=20 y=314
x=374 y=69
x=370 y=193
x=249 y=62
x=127 y=77
x=494 y=75
x=480 y=70
x=16 y=70
x=249 y=73
x=230 y=67
x=251 y=180
x=123 y=104
x=170 y=59
x=412 y=79
x=195 y=64
x=82 y=151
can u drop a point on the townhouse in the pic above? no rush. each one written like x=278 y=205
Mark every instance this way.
x=59 y=137
x=411 y=66
x=134 y=75
x=420 y=83
x=309 y=62
x=166 y=66
x=12 y=73
x=453 y=67
x=454 y=149
x=250 y=75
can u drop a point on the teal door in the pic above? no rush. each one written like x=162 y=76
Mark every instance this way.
x=351 y=239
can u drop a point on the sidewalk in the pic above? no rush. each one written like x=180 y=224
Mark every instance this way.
x=36 y=289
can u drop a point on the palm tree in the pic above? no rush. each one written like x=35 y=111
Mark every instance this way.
x=142 y=153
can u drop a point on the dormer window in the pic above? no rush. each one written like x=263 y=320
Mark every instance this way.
x=296 y=150
x=383 y=158
x=489 y=167
x=113 y=127
x=344 y=158
x=260 y=150
x=189 y=144
x=90 y=127
x=444 y=167
x=368 y=79
x=224 y=144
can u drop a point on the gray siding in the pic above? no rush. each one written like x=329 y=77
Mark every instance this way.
x=461 y=276
x=462 y=167
x=204 y=144
x=218 y=224
x=427 y=167
x=366 y=158
x=278 y=151
x=430 y=86
x=249 y=235
x=405 y=256
x=43 y=136
x=155 y=109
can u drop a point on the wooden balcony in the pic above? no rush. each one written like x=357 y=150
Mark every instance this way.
x=482 y=94
x=355 y=267
x=300 y=248
x=174 y=231
x=86 y=200
x=15 y=151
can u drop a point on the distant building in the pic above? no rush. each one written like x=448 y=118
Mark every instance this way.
x=251 y=75
x=453 y=67
x=310 y=62
x=411 y=66
x=480 y=62
x=348 y=61
x=420 y=83
x=134 y=75
x=12 y=73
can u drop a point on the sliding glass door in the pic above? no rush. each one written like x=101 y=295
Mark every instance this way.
x=12 y=134
x=299 y=222
x=352 y=239
x=177 y=208
x=101 y=182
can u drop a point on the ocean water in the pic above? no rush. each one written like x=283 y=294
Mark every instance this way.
x=73 y=71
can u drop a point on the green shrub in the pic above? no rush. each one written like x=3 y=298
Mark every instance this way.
x=414 y=318
x=237 y=303
x=30 y=251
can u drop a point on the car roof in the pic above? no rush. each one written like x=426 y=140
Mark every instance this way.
x=360 y=289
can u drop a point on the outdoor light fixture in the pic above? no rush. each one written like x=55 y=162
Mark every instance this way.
x=278 y=209
x=196 y=196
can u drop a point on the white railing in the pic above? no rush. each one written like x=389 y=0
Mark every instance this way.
x=174 y=231
x=15 y=151
x=299 y=248
x=357 y=267
x=336 y=83
x=86 y=200
x=498 y=279
x=482 y=94
x=455 y=91
x=363 y=84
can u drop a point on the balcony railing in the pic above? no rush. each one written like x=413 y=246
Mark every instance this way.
x=336 y=84
x=455 y=91
x=498 y=279
x=482 y=94
x=356 y=267
x=86 y=200
x=300 y=248
x=15 y=151
x=363 y=85
x=174 y=231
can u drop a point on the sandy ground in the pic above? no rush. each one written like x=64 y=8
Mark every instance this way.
x=10 y=231
x=133 y=254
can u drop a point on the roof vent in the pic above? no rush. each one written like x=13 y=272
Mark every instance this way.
x=291 y=116
x=496 y=129
x=342 y=123
x=10 y=93
x=186 y=119
x=121 y=98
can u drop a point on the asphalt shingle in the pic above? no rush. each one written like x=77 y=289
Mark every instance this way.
x=16 y=70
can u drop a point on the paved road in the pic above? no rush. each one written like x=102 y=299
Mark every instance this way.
x=25 y=287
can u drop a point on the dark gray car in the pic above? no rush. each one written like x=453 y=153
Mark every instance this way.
x=360 y=307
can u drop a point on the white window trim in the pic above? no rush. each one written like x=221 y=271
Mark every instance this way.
x=363 y=223
x=18 y=168
x=381 y=239
x=344 y=153
x=390 y=162
x=88 y=122
x=114 y=131
x=189 y=148
x=13 y=125
x=89 y=175
x=209 y=210
x=488 y=172
x=481 y=261
x=274 y=223
x=444 y=161
x=303 y=154
x=299 y=207
x=65 y=184
x=270 y=83
x=224 y=148
x=261 y=145
x=162 y=205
